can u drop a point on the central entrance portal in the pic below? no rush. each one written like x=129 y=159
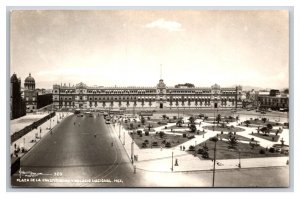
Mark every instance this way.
x=161 y=105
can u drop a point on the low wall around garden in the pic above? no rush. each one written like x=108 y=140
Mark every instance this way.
x=27 y=129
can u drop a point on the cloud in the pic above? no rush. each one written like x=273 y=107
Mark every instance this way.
x=167 y=25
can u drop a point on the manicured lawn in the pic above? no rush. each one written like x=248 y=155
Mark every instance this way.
x=223 y=152
x=139 y=125
x=224 y=129
x=178 y=127
x=174 y=140
x=267 y=137
x=239 y=137
x=260 y=122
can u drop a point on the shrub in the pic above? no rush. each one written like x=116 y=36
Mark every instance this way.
x=146 y=141
x=205 y=154
x=144 y=145
x=213 y=139
x=161 y=134
x=168 y=145
x=184 y=135
x=192 y=148
x=139 y=132
x=262 y=151
x=147 y=133
x=272 y=150
x=200 y=151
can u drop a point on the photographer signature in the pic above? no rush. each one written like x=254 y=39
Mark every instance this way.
x=30 y=174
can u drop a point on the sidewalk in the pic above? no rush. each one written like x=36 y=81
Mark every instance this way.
x=159 y=160
x=29 y=140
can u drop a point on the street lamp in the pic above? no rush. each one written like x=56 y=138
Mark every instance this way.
x=124 y=137
x=119 y=130
x=239 y=165
x=214 y=168
x=132 y=151
x=172 y=162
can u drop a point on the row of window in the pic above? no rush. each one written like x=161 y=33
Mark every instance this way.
x=128 y=104
x=137 y=91
x=144 y=98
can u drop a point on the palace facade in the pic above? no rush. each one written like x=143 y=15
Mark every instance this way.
x=158 y=97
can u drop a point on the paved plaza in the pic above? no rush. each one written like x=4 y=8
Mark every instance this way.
x=85 y=150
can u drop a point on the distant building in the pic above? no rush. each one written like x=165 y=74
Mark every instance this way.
x=274 y=92
x=273 y=100
x=17 y=104
x=30 y=94
x=159 y=96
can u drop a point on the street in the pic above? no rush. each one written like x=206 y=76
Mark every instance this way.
x=80 y=151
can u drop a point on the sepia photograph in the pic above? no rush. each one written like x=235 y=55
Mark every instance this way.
x=161 y=98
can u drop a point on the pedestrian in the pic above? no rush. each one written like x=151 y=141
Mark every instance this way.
x=160 y=148
x=112 y=144
x=176 y=162
x=181 y=148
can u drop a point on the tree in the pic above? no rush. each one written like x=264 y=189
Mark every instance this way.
x=247 y=122
x=232 y=141
x=218 y=119
x=264 y=130
x=269 y=126
x=164 y=117
x=161 y=134
x=179 y=123
x=131 y=126
x=191 y=119
x=264 y=120
x=193 y=128
x=142 y=120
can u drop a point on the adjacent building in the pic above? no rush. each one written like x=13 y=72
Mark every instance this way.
x=17 y=104
x=30 y=94
x=273 y=100
x=156 y=97
x=35 y=98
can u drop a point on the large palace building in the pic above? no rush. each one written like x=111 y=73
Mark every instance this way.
x=158 y=97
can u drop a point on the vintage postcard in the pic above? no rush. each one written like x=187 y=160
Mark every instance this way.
x=149 y=98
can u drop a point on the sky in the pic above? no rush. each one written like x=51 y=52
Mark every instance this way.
x=138 y=47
